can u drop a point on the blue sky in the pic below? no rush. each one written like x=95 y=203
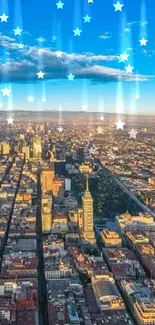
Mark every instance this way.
x=101 y=81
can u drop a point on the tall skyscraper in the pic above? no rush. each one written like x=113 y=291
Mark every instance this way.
x=47 y=176
x=80 y=154
x=37 y=150
x=88 y=215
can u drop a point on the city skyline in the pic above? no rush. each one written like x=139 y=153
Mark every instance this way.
x=78 y=70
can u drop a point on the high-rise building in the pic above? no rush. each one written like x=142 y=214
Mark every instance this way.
x=26 y=151
x=5 y=148
x=88 y=215
x=47 y=176
x=80 y=154
x=37 y=150
x=46 y=212
x=58 y=188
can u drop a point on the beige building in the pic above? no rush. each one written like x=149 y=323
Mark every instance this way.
x=5 y=148
x=140 y=223
x=47 y=176
x=46 y=212
x=85 y=169
x=88 y=215
x=145 y=312
x=111 y=238
x=26 y=151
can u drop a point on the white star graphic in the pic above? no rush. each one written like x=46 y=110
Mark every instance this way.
x=54 y=38
x=70 y=77
x=118 y=6
x=6 y=91
x=129 y=69
x=77 y=32
x=85 y=107
x=90 y=1
x=43 y=99
x=133 y=133
x=99 y=130
x=30 y=99
x=123 y=57
x=4 y=18
x=40 y=75
x=143 y=41
x=60 y=129
x=102 y=118
x=17 y=31
x=119 y=125
x=59 y=54
x=91 y=151
x=137 y=96
x=21 y=46
x=59 y=5
x=10 y=120
x=87 y=19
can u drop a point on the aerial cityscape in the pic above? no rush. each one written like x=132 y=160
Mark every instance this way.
x=77 y=162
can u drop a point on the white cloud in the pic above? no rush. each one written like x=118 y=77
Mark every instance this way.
x=127 y=29
x=105 y=35
x=22 y=64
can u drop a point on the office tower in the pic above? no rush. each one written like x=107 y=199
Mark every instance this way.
x=46 y=213
x=5 y=148
x=26 y=151
x=88 y=218
x=80 y=154
x=37 y=150
x=58 y=188
x=47 y=176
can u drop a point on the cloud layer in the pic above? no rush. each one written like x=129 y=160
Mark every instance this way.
x=21 y=65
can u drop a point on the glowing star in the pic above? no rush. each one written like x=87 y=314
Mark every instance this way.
x=6 y=91
x=59 y=54
x=99 y=130
x=102 y=118
x=133 y=134
x=119 y=125
x=40 y=75
x=70 y=77
x=137 y=96
x=85 y=107
x=30 y=99
x=17 y=31
x=77 y=32
x=143 y=41
x=129 y=69
x=87 y=19
x=118 y=6
x=54 y=38
x=90 y=1
x=21 y=46
x=123 y=57
x=10 y=120
x=43 y=100
x=4 y=18
x=59 y=5
x=60 y=129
